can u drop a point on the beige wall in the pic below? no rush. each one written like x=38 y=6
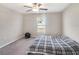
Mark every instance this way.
x=30 y=23
x=10 y=26
x=53 y=23
x=71 y=22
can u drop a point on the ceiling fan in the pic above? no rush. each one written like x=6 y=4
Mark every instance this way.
x=35 y=7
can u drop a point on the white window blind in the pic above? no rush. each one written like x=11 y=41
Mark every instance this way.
x=41 y=24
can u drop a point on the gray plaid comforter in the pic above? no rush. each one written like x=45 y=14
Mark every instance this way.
x=54 y=46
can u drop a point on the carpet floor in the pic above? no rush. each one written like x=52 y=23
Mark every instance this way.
x=19 y=47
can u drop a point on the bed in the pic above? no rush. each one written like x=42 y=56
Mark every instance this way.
x=54 y=45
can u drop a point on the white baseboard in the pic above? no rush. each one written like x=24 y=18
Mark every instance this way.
x=12 y=41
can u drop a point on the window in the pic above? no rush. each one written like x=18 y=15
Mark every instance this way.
x=41 y=24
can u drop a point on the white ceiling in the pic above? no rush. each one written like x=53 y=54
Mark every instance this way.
x=52 y=7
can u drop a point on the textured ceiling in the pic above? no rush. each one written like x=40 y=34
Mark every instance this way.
x=52 y=7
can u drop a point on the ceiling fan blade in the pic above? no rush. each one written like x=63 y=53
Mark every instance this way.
x=27 y=6
x=29 y=10
x=43 y=9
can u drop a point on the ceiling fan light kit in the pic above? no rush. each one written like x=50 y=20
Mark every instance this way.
x=35 y=7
